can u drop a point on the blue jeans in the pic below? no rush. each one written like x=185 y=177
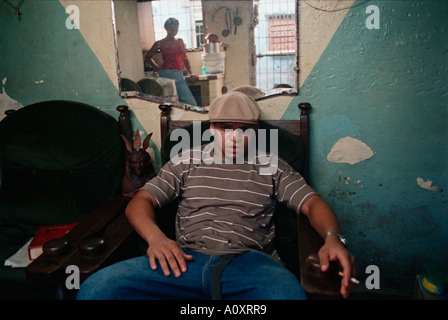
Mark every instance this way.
x=183 y=91
x=249 y=276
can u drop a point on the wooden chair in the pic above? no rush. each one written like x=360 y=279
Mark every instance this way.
x=295 y=244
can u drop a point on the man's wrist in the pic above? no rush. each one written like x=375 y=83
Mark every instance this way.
x=336 y=235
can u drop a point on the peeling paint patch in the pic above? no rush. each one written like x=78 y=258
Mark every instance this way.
x=6 y=102
x=426 y=184
x=349 y=150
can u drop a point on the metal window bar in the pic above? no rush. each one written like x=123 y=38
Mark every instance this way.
x=275 y=40
x=199 y=33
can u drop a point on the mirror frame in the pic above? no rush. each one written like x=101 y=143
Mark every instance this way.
x=184 y=106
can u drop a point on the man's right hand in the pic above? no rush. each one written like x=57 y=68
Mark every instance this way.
x=169 y=255
x=141 y=215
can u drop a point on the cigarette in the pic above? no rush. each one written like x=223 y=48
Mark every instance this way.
x=354 y=280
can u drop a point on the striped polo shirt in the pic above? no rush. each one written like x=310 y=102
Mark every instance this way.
x=227 y=208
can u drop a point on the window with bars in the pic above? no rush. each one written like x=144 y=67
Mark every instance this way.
x=199 y=33
x=275 y=41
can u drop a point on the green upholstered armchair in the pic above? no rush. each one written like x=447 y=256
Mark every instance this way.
x=61 y=162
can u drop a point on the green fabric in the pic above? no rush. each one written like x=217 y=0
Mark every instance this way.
x=31 y=198
x=290 y=149
x=60 y=160
x=129 y=85
x=11 y=239
x=58 y=135
x=151 y=86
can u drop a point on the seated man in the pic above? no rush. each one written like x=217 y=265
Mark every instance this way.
x=224 y=218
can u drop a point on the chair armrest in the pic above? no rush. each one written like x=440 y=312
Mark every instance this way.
x=120 y=243
x=107 y=222
x=315 y=283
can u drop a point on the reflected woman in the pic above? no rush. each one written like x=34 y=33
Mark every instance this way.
x=174 y=58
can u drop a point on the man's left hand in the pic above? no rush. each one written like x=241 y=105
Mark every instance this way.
x=334 y=250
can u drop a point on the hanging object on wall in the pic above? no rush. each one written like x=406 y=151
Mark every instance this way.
x=226 y=31
x=16 y=8
x=236 y=21
x=255 y=22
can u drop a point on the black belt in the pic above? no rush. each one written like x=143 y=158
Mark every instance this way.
x=215 y=278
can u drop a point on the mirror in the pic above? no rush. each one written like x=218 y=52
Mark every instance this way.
x=256 y=46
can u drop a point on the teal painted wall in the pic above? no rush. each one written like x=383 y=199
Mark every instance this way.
x=43 y=60
x=389 y=89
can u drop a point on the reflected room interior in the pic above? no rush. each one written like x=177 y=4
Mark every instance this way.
x=228 y=43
